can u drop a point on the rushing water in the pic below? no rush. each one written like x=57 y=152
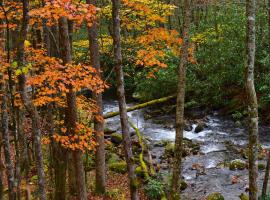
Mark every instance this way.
x=219 y=143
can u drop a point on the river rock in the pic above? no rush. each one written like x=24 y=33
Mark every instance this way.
x=116 y=138
x=215 y=196
x=261 y=166
x=237 y=164
x=188 y=127
x=108 y=131
x=199 y=128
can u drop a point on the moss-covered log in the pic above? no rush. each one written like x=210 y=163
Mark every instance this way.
x=140 y=106
x=142 y=163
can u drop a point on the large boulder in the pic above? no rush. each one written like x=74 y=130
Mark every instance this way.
x=116 y=138
x=199 y=128
x=116 y=164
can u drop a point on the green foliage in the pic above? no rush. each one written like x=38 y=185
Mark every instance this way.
x=267 y=197
x=163 y=84
x=154 y=189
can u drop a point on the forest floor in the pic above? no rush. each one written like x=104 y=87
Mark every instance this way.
x=117 y=187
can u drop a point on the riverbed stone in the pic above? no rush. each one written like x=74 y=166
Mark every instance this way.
x=215 y=196
x=237 y=164
x=188 y=127
x=261 y=166
x=199 y=128
x=116 y=138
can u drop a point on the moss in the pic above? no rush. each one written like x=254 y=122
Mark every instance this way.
x=237 y=164
x=119 y=167
x=199 y=128
x=183 y=185
x=114 y=193
x=169 y=149
x=116 y=138
x=243 y=196
x=215 y=196
x=139 y=171
x=261 y=166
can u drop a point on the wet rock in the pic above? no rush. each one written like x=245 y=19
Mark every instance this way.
x=261 y=166
x=215 y=196
x=237 y=164
x=243 y=196
x=147 y=116
x=116 y=138
x=183 y=185
x=199 y=128
x=108 y=131
x=188 y=127
x=238 y=124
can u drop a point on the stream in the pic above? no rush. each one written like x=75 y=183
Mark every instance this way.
x=220 y=142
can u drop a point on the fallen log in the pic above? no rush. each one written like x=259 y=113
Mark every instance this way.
x=140 y=106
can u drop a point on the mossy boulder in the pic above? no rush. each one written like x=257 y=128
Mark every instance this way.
x=237 y=164
x=199 y=128
x=119 y=167
x=243 y=196
x=116 y=138
x=189 y=148
x=261 y=166
x=183 y=185
x=169 y=150
x=215 y=196
x=139 y=171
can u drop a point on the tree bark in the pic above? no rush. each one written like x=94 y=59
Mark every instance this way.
x=252 y=100
x=6 y=145
x=267 y=170
x=71 y=110
x=180 y=103
x=28 y=104
x=98 y=125
x=122 y=99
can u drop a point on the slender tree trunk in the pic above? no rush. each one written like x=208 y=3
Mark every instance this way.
x=180 y=102
x=71 y=110
x=6 y=145
x=266 y=177
x=31 y=109
x=2 y=168
x=99 y=125
x=267 y=170
x=252 y=100
x=122 y=99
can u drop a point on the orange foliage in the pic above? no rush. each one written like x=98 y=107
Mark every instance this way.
x=53 y=10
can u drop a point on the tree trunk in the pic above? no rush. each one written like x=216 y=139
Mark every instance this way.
x=99 y=125
x=267 y=170
x=71 y=110
x=6 y=145
x=122 y=99
x=180 y=103
x=28 y=104
x=252 y=100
